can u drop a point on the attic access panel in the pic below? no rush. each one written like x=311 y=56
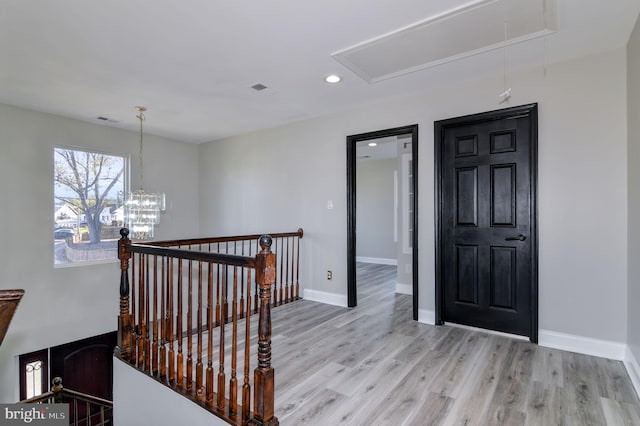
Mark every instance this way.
x=458 y=33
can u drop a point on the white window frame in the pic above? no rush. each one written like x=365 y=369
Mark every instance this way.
x=125 y=188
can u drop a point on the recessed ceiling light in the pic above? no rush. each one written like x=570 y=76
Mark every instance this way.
x=333 y=78
x=373 y=144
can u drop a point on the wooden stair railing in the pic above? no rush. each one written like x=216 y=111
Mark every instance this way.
x=286 y=246
x=84 y=410
x=194 y=291
x=9 y=300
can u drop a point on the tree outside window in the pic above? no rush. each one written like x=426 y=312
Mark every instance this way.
x=88 y=205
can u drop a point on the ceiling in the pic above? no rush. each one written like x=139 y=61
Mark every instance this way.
x=192 y=63
x=383 y=149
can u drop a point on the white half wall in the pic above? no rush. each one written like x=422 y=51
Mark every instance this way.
x=140 y=400
x=283 y=177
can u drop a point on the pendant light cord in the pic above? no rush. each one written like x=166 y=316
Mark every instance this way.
x=504 y=59
x=544 y=39
x=141 y=117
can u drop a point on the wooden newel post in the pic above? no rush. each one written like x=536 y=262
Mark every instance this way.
x=263 y=401
x=57 y=390
x=124 y=319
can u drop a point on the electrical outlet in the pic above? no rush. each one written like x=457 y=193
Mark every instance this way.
x=329 y=275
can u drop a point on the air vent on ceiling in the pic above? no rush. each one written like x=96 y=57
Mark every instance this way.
x=107 y=119
x=468 y=30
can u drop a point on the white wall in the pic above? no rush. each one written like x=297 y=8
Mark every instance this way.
x=282 y=178
x=66 y=304
x=633 y=156
x=139 y=400
x=375 y=208
x=404 y=252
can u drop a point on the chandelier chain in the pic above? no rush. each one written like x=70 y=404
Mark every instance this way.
x=141 y=117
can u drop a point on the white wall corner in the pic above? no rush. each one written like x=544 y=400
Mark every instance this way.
x=426 y=316
x=633 y=368
x=404 y=288
x=377 y=260
x=324 y=297
x=582 y=345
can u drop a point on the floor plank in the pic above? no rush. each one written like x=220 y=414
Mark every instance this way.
x=374 y=365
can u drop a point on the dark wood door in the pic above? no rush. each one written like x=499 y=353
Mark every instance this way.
x=85 y=366
x=487 y=235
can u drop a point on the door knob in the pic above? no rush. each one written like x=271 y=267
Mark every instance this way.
x=518 y=238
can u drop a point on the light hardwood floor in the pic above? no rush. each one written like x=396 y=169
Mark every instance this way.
x=374 y=365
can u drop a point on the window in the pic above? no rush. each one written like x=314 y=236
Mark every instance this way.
x=34 y=374
x=88 y=205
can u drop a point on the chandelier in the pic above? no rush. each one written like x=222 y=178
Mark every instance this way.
x=142 y=209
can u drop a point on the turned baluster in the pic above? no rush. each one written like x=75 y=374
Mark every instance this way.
x=242 y=286
x=225 y=283
x=179 y=337
x=210 y=323
x=221 y=374
x=218 y=295
x=146 y=347
x=256 y=297
x=124 y=319
x=190 y=328
x=162 y=318
x=170 y=328
x=199 y=326
x=278 y=276
x=264 y=375
x=246 y=387
x=287 y=297
x=233 y=382
x=141 y=305
x=154 y=345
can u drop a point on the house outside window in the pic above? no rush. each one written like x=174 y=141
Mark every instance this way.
x=88 y=203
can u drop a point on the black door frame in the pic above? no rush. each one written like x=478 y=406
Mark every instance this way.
x=351 y=207
x=530 y=110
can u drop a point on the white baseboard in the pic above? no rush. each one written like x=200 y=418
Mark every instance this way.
x=378 y=260
x=581 y=344
x=633 y=368
x=324 y=297
x=426 y=316
x=404 y=288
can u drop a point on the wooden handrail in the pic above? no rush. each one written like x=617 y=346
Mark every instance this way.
x=170 y=291
x=58 y=390
x=9 y=300
x=58 y=394
x=196 y=241
x=221 y=258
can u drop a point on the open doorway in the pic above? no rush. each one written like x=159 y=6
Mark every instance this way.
x=398 y=147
